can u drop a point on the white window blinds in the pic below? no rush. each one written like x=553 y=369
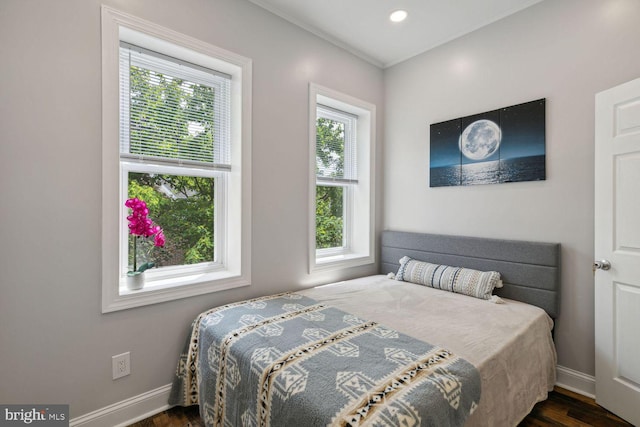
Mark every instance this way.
x=173 y=111
x=335 y=146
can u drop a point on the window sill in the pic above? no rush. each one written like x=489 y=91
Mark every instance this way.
x=340 y=261
x=169 y=289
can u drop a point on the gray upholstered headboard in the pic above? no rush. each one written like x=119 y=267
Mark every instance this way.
x=530 y=270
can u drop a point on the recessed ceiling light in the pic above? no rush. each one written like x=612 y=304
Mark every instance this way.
x=398 y=15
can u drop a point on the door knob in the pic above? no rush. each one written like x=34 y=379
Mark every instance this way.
x=601 y=265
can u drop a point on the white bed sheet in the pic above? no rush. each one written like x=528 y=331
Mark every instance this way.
x=510 y=344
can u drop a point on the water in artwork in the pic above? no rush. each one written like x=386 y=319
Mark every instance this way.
x=512 y=170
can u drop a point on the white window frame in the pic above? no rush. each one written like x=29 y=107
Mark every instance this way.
x=359 y=203
x=233 y=243
x=176 y=274
x=347 y=197
x=346 y=184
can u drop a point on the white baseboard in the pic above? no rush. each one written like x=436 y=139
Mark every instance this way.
x=576 y=381
x=128 y=411
x=147 y=404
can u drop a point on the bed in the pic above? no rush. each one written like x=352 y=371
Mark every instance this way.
x=477 y=362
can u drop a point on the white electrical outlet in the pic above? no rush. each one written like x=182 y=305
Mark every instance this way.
x=121 y=365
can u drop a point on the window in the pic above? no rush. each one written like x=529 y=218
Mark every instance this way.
x=342 y=208
x=180 y=142
x=174 y=155
x=336 y=178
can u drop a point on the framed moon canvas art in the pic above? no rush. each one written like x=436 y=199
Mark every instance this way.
x=504 y=145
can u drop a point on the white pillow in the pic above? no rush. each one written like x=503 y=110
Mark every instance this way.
x=479 y=284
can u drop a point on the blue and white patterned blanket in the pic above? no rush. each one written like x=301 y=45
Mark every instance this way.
x=286 y=360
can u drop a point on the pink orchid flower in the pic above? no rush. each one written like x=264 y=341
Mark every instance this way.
x=159 y=239
x=141 y=225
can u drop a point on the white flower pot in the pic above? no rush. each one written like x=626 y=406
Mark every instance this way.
x=135 y=281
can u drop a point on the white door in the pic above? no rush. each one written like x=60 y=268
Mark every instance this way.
x=617 y=240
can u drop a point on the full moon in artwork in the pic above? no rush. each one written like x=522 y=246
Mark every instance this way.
x=480 y=139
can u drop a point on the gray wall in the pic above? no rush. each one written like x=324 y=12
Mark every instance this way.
x=565 y=51
x=55 y=345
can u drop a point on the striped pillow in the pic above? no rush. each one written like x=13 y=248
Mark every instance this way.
x=460 y=280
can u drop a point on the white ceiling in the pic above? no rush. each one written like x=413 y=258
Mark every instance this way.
x=363 y=26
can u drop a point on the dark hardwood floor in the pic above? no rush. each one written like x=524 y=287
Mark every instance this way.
x=562 y=408
x=566 y=408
